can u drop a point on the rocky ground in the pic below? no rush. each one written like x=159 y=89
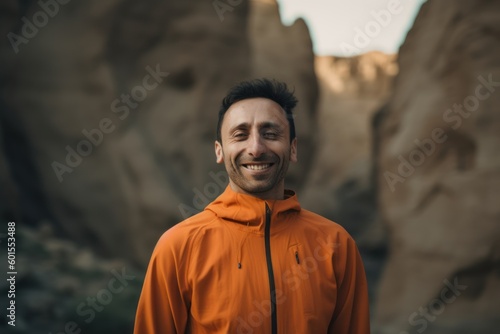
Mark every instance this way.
x=60 y=285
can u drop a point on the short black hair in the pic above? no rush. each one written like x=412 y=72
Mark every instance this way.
x=265 y=88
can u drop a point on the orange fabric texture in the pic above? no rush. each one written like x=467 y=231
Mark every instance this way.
x=210 y=273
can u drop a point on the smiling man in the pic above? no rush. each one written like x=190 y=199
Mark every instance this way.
x=258 y=147
x=254 y=261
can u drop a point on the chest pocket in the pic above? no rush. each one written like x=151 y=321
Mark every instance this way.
x=300 y=279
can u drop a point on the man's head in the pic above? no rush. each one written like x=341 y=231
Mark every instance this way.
x=265 y=88
x=256 y=137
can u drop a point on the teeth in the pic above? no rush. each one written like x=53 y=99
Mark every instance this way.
x=258 y=167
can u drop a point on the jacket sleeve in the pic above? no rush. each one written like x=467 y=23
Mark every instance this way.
x=351 y=313
x=163 y=305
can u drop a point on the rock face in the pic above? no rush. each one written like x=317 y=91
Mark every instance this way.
x=351 y=89
x=285 y=53
x=112 y=99
x=438 y=173
x=340 y=184
x=109 y=110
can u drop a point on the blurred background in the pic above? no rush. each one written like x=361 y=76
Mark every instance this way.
x=108 y=112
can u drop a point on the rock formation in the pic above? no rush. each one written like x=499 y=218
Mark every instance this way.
x=285 y=53
x=438 y=173
x=107 y=125
x=340 y=184
x=351 y=90
x=108 y=111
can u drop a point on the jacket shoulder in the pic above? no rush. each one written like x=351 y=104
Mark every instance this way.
x=316 y=221
x=183 y=233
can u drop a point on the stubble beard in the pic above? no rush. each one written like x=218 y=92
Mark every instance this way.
x=254 y=185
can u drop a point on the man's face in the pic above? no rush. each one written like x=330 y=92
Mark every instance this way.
x=256 y=148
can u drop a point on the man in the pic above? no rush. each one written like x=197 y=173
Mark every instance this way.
x=253 y=261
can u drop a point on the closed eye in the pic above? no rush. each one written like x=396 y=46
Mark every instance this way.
x=240 y=135
x=270 y=135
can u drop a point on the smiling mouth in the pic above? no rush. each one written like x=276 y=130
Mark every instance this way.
x=257 y=166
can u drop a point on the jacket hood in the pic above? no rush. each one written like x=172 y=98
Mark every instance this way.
x=250 y=211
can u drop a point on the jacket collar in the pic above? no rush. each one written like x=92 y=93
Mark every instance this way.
x=250 y=211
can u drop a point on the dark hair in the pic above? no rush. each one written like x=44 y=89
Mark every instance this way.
x=265 y=88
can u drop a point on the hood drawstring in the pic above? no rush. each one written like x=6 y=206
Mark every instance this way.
x=241 y=246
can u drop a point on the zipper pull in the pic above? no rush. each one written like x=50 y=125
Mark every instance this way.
x=297 y=257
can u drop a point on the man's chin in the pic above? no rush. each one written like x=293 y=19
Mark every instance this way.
x=257 y=188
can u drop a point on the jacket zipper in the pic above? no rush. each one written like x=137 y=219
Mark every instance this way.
x=267 y=238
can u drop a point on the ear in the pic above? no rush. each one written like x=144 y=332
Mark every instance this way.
x=293 y=150
x=219 y=155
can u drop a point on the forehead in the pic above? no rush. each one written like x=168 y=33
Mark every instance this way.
x=254 y=111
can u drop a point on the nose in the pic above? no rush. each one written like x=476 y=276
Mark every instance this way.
x=256 y=146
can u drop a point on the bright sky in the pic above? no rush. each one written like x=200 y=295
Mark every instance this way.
x=349 y=27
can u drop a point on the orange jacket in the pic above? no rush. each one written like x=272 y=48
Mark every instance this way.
x=245 y=265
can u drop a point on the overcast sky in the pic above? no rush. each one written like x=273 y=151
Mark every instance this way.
x=348 y=27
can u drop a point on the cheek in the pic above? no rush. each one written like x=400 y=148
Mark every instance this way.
x=282 y=150
x=231 y=153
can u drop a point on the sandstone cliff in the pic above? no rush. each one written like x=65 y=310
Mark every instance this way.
x=285 y=53
x=438 y=173
x=351 y=90
x=109 y=110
